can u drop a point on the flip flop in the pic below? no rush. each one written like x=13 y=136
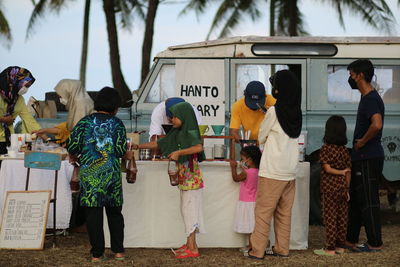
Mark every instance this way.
x=365 y=248
x=187 y=254
x=253 y=257
x=352 y=248
x=271 y=252
x=322 y=252
x=100 y=259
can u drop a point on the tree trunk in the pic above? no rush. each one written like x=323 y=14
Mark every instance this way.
x=272 y=18
x=85 y=43
x=117 y=76
x=148 y=38
x=293 y=22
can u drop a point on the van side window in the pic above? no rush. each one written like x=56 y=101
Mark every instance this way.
x=386 y=81
x=163 y=85
x=246 y=73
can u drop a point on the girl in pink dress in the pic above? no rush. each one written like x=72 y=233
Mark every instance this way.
x=248 y=177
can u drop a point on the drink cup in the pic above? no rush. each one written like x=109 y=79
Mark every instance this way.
x=217 y=129
x=203 y=129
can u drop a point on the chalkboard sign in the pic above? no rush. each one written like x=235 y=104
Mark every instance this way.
x=24 y=220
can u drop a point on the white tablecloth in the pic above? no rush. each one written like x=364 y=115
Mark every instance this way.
x=13 y=178
x=152 y=211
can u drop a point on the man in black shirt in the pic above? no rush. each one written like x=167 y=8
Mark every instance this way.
x=367 y=160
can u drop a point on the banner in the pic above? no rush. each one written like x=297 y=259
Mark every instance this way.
x=202 y=84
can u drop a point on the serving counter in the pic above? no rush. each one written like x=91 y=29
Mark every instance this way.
x=13 y=178
x=152 y=208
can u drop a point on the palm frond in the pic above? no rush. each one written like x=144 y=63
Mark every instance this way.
x=125 y=9
x=5 y=31
x=290 y=20
x=376 y=13
x=39 y=10
x=199 y=6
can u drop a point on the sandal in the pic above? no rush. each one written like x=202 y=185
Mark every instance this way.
x=366 y=248
x=187 y=254
x=322 y=252
x=119 y=258
x=271 y=252
x=99 y=259
x=253 y=257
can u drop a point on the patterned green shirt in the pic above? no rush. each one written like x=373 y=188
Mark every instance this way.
x=100 y=140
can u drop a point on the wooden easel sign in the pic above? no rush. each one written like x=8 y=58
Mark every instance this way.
x=23 y=225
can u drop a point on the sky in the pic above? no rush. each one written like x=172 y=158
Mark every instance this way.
x=53 y=51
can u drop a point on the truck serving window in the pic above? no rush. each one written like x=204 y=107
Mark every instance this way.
x=386 y=81
x=163 y=85
x=246 y=73
x=294 y=49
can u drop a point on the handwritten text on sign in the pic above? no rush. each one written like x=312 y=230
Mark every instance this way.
x=24 y=219
x=201 y=83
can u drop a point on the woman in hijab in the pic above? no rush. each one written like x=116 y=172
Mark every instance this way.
x=14 y=82
x=183 y=145
x=78 y=103
x=276 y=187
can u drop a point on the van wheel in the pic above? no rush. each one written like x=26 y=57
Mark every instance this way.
x=315 y=215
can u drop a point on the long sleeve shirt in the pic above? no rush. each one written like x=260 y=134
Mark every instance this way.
x=29 y=123
x=281 y=153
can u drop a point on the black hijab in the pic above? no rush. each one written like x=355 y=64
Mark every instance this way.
x=287 y=91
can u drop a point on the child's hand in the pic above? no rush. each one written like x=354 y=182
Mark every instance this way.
x=345 y=171
x=174 y=155
x=233 y=164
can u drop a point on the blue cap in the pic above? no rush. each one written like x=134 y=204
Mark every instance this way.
x=254 y=94
x=170 y=102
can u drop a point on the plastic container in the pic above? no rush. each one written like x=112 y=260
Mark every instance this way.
x=173 y=173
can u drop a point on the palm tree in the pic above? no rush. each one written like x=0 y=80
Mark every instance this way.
x=286 y=17
x=57 y=5
x=148 y=38
x=5 y=30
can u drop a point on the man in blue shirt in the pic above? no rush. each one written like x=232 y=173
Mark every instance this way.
x=367 y=160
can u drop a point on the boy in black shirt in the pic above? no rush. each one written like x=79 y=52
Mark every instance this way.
x=367 y=160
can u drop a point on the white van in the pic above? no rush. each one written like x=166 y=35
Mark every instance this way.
x=214 y=73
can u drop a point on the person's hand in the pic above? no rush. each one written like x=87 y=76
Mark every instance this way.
x=345 y=171
x=358 y=144
x=233 y=164
x=8 y=119
x=73 y=159
x=174 y=155
x=348 y=196
x=134 y=146
x=129 y=155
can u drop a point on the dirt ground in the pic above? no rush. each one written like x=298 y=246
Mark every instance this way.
x=73 y=250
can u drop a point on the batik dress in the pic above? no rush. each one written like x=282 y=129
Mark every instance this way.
x=100 y=140
x=334 y=194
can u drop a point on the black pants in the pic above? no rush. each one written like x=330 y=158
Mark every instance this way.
x=364 y=206
x=94 y=222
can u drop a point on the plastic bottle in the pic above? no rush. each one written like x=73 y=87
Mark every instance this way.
x=19 y=144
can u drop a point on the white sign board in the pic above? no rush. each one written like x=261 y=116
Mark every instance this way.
x=202 y=84
x=24 y=220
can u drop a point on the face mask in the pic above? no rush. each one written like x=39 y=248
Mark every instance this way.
x=63 y=101
x=244 y=165
x=23 y=90
x=352 y=83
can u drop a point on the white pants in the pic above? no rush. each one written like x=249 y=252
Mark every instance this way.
x=192 y=211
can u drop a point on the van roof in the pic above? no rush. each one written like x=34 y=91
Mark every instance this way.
x=240 y=46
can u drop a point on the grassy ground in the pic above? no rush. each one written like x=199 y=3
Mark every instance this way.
x=73 y=250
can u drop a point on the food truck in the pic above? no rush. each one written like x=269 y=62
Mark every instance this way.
x=212 y=75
